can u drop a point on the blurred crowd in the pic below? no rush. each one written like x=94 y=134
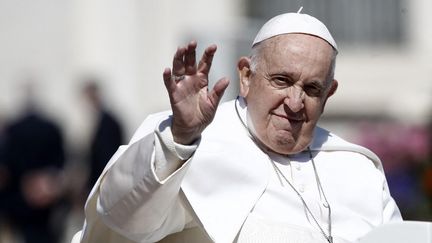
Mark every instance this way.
x=43 y=189
x=406 y=153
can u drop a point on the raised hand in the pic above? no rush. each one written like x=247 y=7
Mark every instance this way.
x=193 y=105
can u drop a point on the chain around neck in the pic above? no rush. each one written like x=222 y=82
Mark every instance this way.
x=328 y=236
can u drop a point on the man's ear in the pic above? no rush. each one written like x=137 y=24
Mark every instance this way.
x=333 y=88
x=243 y=68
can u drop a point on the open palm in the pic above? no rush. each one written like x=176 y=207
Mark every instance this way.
x=193 y=105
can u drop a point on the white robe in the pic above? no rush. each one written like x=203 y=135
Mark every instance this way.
x=219 y=186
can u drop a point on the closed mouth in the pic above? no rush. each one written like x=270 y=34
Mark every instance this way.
x=290 y=118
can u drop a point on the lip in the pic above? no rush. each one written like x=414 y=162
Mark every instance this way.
x=290 y=118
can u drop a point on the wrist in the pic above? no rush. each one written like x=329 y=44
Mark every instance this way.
x=185 y=137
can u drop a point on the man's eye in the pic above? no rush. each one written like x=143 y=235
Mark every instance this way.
x=312 y=90
x=280 y=82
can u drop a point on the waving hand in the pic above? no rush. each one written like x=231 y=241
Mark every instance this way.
x=193 y=104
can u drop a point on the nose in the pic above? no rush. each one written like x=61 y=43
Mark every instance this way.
x=295 y=98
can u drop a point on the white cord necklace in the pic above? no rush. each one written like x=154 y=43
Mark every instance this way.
x=321 y=191
x=328 y=236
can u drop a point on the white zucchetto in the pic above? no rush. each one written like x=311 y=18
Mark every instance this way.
x=294 y=23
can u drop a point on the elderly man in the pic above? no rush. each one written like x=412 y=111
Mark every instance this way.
x=255 y=169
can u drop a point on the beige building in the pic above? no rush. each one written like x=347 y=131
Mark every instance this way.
x=384 y=64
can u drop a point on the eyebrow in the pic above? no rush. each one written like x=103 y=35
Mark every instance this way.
x=318 y=83
x=284 y=73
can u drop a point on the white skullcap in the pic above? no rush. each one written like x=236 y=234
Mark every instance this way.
x=294 y=23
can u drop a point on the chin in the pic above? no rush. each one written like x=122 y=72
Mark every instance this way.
x=290 y=146
x=283 y=147
x=288 y=151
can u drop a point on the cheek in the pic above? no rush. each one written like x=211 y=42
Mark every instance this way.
x=260 y=111
x=313 y=109
x=258 y=87
x=262 y=98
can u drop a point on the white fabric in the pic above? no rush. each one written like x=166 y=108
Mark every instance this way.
x=170 y=151
x=400 y=232
x=279 y=204
x=258 y=230
x=221 y=184
x=294 y=23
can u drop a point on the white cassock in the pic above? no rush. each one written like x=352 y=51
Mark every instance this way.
x=229 y=191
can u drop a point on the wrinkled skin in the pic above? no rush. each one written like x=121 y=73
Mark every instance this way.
x=193 y=104
x=285 y=95
x=287 y=92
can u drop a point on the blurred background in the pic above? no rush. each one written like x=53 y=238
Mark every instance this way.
x=77 y=78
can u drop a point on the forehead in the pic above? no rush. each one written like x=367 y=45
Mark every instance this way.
x=289 y=50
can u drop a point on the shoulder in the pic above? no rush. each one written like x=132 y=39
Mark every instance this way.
x=225 y=120
x=226 y=108
x=150 y=123
x=327 y=141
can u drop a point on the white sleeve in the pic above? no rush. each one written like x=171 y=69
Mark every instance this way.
x=139 y=193
x=169 y=155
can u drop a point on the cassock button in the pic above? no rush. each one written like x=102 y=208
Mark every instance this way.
x=301 y=188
